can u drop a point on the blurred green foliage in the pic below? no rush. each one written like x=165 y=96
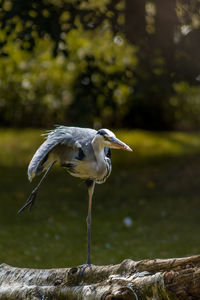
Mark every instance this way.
x=110 y=63
x=88 y=85
x=186 y=104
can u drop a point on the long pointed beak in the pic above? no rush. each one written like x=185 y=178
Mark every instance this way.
x=117 y=144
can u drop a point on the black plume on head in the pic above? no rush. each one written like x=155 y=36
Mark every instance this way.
x=101 y=132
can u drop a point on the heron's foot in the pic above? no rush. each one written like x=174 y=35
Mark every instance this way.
x=78 y=274
x=30 y=202
x=83 y=268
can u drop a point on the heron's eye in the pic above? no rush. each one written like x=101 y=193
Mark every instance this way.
x=106 y=138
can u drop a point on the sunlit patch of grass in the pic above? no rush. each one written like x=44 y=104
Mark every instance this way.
x=17 y=146
x=151 y=146
x=156 y=186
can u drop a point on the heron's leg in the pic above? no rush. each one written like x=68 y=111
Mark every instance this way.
x=90 y=184
x=31 y=199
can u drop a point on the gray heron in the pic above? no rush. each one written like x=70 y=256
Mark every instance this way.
x=84 y=152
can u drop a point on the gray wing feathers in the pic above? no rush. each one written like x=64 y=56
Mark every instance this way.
x=71 y=137
x=40 y=156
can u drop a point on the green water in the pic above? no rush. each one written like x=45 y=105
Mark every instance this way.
x=156 y=187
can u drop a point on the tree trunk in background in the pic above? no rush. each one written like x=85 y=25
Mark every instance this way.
x=180 y=52
x=162 y=39
x=176 y=278
x=135 y=20
x=151 y=25
x=166 y=23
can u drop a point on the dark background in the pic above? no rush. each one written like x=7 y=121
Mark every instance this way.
x=115 y=63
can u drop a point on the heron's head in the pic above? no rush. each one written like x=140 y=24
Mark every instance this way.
x=108 y=139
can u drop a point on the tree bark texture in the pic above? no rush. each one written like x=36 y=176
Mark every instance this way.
x=159 y=279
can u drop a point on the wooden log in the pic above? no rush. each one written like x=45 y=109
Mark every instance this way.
x=158 y=279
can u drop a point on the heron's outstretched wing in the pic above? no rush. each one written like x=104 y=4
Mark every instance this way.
x=40 y=157
x=65 y=139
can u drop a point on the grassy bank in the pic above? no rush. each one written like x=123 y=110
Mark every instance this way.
x=156 y=188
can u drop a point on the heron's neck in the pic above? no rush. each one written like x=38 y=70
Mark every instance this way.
x=98 y=148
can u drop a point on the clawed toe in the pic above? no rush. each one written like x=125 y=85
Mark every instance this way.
x=30 y=202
